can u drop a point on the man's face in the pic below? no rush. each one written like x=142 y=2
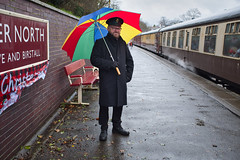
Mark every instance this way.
x=114 y=30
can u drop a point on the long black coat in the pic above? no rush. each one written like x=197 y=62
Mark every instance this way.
x=113 y=87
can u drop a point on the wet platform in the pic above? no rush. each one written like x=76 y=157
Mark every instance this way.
x=172 y=114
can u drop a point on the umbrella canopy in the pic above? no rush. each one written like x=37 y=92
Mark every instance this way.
x=80 y=41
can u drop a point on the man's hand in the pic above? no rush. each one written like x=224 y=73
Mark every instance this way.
x=115 y=64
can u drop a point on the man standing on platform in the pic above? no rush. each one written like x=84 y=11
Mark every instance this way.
x=113 y=86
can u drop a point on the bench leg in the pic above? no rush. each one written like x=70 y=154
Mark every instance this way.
x=80 y=97
x=80 y=94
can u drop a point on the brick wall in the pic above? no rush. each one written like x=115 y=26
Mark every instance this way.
x=20 y=121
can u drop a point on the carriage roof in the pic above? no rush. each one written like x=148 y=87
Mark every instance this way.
x=224 y=15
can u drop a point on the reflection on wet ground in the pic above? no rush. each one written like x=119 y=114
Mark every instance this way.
x=168 y=118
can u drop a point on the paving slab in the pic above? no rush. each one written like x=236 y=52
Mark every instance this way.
x=169 y=117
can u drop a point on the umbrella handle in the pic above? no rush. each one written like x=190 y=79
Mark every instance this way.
x=118 y=71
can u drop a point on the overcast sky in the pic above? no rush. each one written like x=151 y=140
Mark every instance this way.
x=152 y=10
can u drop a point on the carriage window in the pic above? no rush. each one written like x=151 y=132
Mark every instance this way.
x=215 y=29
x=187 y=39
x=232 y=40
x=227 y=28
x=238 y=27
x=232 y=28
x=164 y=39
x=210 y=39
x=232 y=45
x=207 y=30
x=174 y=39
x=180 y=39
x=195 y=38
x=168 y=38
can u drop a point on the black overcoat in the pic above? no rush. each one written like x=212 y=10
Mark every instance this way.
x=113 y=87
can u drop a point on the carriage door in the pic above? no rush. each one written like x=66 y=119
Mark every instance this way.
x=158 y=43
x=187 y=40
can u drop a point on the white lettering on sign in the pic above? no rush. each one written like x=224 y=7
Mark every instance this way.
x=25 y=29
x=18 y=56
x=13 y=57
x=32 y=35
x=7 y=31
x=12 y=85
x=30 y=54
x=2 y=58
x=18 y=33
x=21 y=33
x=42 y=34
x=4 y=33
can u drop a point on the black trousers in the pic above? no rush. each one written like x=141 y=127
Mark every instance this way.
x=104 y=115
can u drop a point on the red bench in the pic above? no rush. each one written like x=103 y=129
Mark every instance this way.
x=86 y=80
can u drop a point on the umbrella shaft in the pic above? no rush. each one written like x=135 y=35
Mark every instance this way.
x=105 y=42
x=117 y=69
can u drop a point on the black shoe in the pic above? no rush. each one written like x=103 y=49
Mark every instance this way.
x=103 y=135
x=120 y=130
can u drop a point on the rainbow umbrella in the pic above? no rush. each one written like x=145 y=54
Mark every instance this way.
x=80 y=41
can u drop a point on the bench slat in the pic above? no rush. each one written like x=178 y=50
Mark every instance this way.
x=89 y=77
x=75 y=76
x=72 y=67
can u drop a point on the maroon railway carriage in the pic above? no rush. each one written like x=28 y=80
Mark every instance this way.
x=210 y=45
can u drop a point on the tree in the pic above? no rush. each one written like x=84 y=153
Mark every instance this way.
x=174 y=21
x=114 y=4
x=102 y=3
x=144 y=27
x=82 y=7
x=105 y=3
x=163 y=22
x=190 y=14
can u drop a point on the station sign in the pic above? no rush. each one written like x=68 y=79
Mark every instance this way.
x=23 y=40
x=24 y=54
